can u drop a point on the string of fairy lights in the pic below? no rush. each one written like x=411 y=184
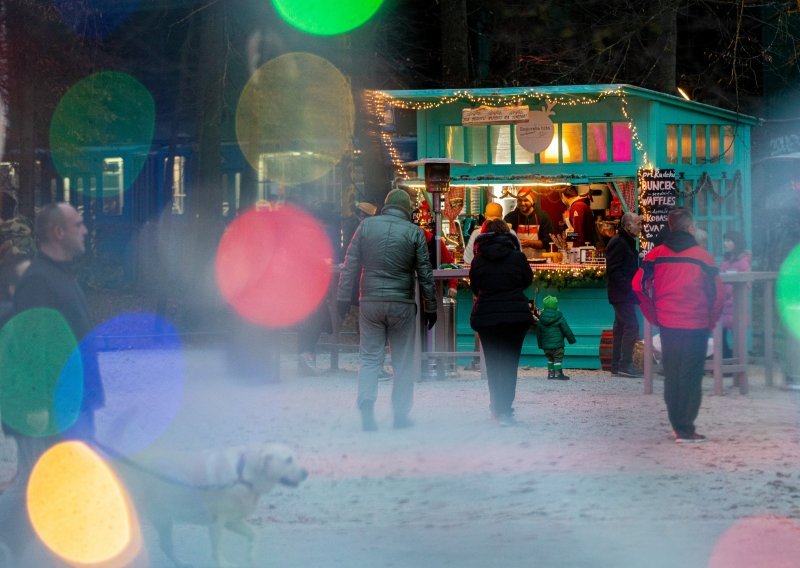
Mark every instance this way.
x=379 y=101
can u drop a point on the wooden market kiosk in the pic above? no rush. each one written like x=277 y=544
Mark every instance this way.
x=602 y=135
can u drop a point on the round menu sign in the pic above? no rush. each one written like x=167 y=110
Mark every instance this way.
x=536 y=134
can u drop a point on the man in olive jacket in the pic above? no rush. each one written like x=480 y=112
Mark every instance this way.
x=385 y=253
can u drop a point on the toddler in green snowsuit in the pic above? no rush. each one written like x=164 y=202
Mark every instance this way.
x=550 y=334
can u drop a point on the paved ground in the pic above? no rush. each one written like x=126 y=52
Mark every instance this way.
x=590 y=476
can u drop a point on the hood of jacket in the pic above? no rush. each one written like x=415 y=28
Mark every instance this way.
x=679 y=241
x=495 y=246
x=396 y=211
x=549 y=316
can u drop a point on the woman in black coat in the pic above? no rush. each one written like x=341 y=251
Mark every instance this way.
x=498 y=277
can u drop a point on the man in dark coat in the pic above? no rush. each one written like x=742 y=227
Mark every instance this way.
x=622 y=262
x=50 y=283
x=47 y=299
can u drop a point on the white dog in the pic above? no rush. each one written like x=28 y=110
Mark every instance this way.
x=218 y=489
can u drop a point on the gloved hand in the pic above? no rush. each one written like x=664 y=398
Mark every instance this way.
x=343 y=306
x=452 y=292
x=429 y=318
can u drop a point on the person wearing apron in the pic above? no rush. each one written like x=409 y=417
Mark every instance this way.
x=531 y=223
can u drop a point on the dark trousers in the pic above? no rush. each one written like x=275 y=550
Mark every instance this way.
x=683 y=357
x=502 y=346
x=554 y=355
x=626 y=332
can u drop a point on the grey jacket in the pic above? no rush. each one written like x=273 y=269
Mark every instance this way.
x=386 y=252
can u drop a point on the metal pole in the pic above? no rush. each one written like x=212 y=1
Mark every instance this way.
x=437 y=236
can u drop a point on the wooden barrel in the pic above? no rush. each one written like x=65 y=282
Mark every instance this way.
x=606 y=347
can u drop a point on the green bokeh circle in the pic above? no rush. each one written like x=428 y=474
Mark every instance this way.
x=41 y=383
x=97 y=116
x=295 y=118
x=326 y=17
x=787 y=292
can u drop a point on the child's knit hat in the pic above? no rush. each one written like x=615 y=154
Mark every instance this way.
x=550 y=302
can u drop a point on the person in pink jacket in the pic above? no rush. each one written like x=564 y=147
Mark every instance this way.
x=735 y=259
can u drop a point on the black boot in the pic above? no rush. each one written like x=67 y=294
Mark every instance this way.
x=551 y=374
x=560 y=376
x=368 y=423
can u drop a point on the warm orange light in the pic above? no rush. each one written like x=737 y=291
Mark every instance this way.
x=80 y=510
x=683 y=94
x=551 y=153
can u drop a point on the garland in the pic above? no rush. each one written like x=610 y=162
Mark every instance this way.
x=587 y=277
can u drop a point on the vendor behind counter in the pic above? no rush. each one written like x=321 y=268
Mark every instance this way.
x=531 y=223
x=580 y=218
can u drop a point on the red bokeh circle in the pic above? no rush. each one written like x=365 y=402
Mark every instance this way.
x=758 y=542
x=274 y=266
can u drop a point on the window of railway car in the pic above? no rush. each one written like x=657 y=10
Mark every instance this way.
x=231 y=188
x=178 y=185
x=113 y=186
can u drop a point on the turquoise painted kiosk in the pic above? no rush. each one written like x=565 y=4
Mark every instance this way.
x=600 y=138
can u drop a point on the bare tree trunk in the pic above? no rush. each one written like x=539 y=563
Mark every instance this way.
x=204 y=207
x=205 y=203
x=455 y=43
x=27 y=149
x=363 y=76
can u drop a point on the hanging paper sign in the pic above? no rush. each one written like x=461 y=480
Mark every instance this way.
x=494 y=115
x=658 y=195
x=536 y=134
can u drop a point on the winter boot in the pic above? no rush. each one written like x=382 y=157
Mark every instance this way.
x=368 y=423
x=551 y=372
x=558 y=373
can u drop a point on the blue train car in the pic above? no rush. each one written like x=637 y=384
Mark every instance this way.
x=127 y=191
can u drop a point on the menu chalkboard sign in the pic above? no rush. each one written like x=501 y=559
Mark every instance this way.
x=658 y=194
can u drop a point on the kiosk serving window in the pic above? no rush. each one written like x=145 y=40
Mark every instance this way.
x=500 y=143
x=572 y=147
x=573 y=142
x=453 y=143
x=700 y=143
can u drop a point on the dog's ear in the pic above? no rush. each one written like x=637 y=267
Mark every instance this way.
x=259 y=465
x=265 y=463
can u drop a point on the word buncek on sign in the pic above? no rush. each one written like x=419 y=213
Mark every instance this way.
x=658 y=194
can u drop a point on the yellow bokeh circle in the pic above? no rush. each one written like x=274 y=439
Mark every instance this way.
x=295 y=117
x=79 y=509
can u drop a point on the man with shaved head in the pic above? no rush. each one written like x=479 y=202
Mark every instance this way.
x=50 y=283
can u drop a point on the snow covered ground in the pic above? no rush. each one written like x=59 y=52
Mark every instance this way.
x=590 y=476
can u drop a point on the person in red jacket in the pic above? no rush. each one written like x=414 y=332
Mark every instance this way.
x=445 y=256
x=680 y=291
x=579 y=217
